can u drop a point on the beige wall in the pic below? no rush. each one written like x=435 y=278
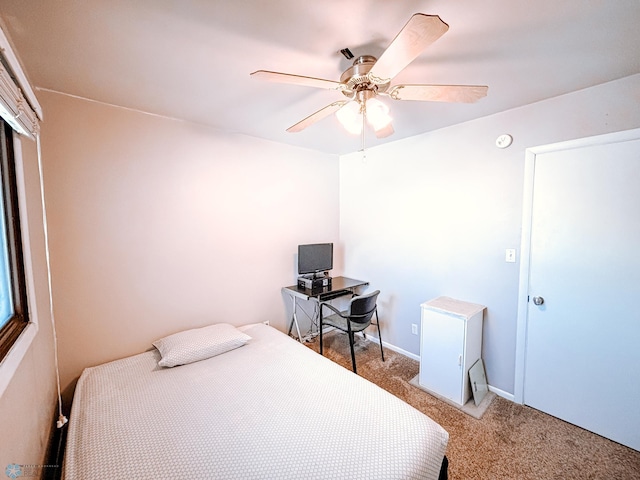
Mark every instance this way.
x=159 y=225
x=28 y=404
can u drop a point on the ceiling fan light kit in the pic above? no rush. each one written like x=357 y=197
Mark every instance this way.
x=366 y=107
x=369 y=77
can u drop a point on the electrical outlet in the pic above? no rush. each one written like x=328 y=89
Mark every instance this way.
x=414 y=328
x=266 y=322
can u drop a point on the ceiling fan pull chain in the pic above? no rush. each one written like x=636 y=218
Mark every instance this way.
x=364 y=118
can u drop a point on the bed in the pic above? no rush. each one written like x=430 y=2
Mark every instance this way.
x=270 y=408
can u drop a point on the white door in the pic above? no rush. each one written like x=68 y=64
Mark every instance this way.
x=582 y=360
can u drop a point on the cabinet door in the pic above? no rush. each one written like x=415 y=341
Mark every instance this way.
x=441 y=354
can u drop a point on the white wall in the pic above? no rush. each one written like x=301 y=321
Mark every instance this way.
x=432 y=215
x=159 y=225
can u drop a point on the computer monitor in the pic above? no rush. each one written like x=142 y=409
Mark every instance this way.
x=315 y=258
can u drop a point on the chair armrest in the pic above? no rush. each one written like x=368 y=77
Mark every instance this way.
x=331 y=307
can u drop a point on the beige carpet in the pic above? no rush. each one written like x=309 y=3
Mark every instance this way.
x=510 y=441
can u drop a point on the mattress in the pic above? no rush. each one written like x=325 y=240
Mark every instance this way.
x=271 y=409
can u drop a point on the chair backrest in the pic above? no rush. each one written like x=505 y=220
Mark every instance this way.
x=362 y=307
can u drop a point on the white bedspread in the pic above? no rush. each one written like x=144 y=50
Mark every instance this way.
x=272 y=409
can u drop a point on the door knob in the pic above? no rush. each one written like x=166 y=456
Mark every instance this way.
x=538 y=300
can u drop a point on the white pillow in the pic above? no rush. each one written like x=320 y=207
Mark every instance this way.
x=199 y=343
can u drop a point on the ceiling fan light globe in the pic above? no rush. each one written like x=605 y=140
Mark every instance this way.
x=377 y=114
x=350 y=118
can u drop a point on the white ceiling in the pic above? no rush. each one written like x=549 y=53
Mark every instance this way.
x=191 y=59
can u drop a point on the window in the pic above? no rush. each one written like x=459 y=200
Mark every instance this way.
x=13 y=289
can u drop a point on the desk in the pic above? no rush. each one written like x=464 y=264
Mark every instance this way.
x=338 y=285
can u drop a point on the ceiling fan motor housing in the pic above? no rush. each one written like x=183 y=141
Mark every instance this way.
x=356 y=78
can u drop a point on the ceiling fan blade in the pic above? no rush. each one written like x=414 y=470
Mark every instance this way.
x=439 y=93
x=297 y=80
x=420 y=31
x=385 y=132
x=317 y=116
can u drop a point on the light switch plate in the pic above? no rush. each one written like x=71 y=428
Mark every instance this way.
x=510 y=255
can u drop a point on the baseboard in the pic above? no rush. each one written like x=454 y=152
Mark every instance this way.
x=373 y=338
x=410 y=355
x=502 y=393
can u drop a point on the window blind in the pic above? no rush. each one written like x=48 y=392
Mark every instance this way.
x=18 y=104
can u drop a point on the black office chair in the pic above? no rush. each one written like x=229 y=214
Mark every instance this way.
x=358 y=317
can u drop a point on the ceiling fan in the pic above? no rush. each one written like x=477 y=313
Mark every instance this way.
x=370 y=77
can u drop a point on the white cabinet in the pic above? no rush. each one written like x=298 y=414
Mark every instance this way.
x=450 y=343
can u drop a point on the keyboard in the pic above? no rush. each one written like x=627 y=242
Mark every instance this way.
x=333 y=294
